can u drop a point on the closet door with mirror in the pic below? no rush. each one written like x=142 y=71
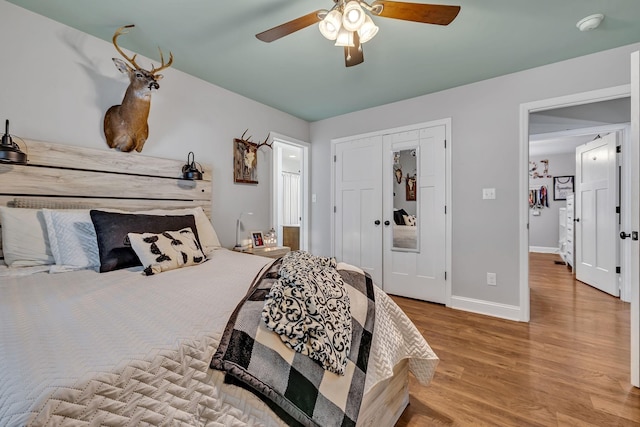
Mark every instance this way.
x=389 y=209
x=414 y=238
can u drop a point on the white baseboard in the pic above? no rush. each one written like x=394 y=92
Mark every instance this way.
x=503 y=311
x=544 y=250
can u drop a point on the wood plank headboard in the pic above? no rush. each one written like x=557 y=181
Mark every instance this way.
x=101 y=178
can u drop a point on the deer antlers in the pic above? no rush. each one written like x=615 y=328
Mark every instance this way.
x=255 y=146
x=132 y=60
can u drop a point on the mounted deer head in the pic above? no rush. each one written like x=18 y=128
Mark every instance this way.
x=251 y=149
x=125 y=125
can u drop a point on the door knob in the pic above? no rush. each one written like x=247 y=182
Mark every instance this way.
x=577 y=220
x=624 y=235
x=377 y=222
x=387 y=223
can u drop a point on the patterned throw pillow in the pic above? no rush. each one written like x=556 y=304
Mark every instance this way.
x=167 y=250
x=410 y=220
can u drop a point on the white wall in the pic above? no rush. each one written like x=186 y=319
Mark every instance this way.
x=543 y=229
x=484 y=152
x=56 y=83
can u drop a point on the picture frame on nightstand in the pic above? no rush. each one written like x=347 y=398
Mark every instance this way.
x=257 y=239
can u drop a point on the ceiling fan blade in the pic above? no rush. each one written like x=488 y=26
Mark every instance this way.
x=354 y=55
x=290 y=27
x=426 y=13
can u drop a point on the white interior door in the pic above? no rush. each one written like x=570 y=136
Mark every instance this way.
x=596 y=221
x=417 y=273
x=634 y=268
x=358 y=208
x=283 y=160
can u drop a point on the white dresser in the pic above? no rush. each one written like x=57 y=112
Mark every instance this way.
x=569 y=230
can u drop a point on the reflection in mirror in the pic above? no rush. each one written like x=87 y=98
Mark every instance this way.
x=405 y=203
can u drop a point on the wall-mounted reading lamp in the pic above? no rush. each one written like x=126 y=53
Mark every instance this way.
x=192 y=170
x=9 y=150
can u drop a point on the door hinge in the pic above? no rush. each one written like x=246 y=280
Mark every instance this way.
x=619 y=149
x=445 y=209
x=335 y=209
x=335 y=158
x=618 y=270
x=617 y=209
x=445 y=275
x=445 y=143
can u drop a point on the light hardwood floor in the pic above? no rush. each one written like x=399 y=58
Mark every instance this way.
x=568 y=367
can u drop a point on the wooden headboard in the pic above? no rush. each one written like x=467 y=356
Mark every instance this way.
x=101 y=178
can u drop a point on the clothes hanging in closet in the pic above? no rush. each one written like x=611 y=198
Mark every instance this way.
x=538 y=197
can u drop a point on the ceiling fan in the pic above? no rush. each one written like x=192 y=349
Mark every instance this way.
x=349 y=24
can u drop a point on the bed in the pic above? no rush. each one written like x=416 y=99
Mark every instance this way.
x=405 y=230
x=405 y=236
x=134 y=345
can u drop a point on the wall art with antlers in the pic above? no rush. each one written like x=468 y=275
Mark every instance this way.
x=125 y=125
x=245 y=160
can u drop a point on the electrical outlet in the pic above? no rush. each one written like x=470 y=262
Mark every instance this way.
x=488 y=193
x=491 y=279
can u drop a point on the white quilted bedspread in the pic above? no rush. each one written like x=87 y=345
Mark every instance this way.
x=84 y=348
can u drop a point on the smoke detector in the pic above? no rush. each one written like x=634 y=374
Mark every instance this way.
x=590 y=22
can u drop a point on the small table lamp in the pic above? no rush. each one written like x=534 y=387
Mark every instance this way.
x=239 y=225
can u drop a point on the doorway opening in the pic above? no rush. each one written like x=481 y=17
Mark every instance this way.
x=556 y=152
x=629 y=193
x=526 y=112
x=290 y=189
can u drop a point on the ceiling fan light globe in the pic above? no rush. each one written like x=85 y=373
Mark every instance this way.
x=368 y=30
x=345 y=38
x=353 y=16
x=327 y=30
x=331 y=24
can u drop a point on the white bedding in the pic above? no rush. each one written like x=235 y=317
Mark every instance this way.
x=405 y=236
x=85 y=321
x=117 y=347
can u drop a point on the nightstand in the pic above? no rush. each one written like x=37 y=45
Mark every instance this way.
x=270 y=251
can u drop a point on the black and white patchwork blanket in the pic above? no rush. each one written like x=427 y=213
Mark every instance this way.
x=310 y=309
x=299 y=389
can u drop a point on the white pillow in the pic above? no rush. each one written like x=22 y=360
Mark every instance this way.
x=72 y=238
x=24 y=237
x=166 y=251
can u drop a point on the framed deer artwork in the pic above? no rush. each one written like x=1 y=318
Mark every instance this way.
x=245 y=159
x=411 y=188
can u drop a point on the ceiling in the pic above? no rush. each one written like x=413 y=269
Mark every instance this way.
x=561 y=130
x=304 y=75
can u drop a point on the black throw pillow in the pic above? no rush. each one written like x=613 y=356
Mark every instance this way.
x=112 y=228
x=398 y=217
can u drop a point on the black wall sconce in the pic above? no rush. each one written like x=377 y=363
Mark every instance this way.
x=9 y=150
x=192 y=170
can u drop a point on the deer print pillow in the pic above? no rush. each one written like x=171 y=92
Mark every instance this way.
x=410 y=220
x=167 y=250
